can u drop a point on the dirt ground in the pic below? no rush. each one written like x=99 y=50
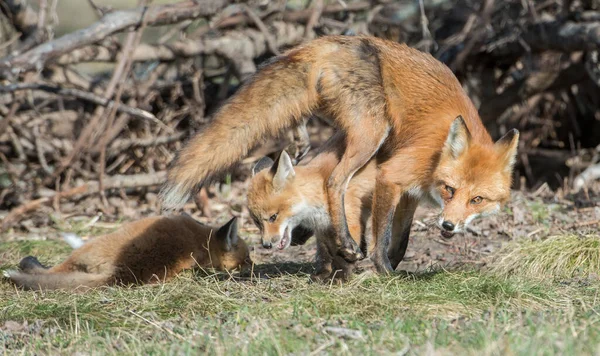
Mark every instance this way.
x=528 y=215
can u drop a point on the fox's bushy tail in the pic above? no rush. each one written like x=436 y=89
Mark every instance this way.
x=50 y=280
x=275 y=99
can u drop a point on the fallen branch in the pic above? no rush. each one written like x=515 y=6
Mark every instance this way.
x=113 y=182
x=111 y=23
x=234 y=43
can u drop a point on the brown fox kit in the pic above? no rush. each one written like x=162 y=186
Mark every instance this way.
x=395 y=104
x=283 y=199
x=146 y=251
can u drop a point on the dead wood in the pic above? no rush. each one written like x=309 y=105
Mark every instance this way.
x=109 y=24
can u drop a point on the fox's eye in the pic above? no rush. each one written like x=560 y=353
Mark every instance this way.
x=273 y=218
x=476 y=200
x=450 y=190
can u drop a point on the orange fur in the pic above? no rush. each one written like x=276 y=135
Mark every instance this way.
x=302 y=201
x=392 y=102
x=146 y=251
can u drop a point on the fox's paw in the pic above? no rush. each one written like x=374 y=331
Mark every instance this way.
x=29 y=264
x=351 y=252
x=382 y=264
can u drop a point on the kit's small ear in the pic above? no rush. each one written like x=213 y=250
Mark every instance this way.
x=227 y=235
x=283 y=170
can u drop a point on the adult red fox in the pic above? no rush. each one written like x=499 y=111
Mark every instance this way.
x=394 y=103
x=145 y=251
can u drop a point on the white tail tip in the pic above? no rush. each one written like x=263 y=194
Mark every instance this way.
x=72 y=239
x=174 y=196
x=9 y=273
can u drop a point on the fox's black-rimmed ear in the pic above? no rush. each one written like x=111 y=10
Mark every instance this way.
x=458 y=138
x=227 y=235
x=507 y=147
x=282 y=170
x=262 y=164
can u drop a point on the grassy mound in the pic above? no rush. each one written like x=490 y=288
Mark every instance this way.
x=557 y=257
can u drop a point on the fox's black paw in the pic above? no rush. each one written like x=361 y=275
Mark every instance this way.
x=30 y=263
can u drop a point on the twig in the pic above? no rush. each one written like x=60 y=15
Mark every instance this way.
x=80 y=94
x=121 y=72
x=317 y=10
x=263 y=28
x=113 y=182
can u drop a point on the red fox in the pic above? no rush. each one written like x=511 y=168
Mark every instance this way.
x=395 y=104
x=146 y=251
x=283 y=200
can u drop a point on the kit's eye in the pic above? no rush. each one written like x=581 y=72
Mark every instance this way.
x=450 y=190
x=476 y=200
x=273 y=218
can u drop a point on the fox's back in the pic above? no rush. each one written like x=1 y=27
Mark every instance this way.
x=141 y=249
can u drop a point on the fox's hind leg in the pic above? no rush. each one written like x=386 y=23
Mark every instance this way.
x=300 y=142
x=360 y=149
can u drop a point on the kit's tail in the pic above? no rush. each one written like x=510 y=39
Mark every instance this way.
x=50 y=280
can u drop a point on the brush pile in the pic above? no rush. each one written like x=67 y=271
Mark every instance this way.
x=74 y=133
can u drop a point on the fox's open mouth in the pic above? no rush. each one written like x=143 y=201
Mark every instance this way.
x=285 y=239
x=447 y=234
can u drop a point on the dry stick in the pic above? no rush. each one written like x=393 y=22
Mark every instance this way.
x=314 y=18
x=232 y=42
x=293 y=16
x=263 y=28
x=486 y=12
x=114 y=182
x=111 y=23
x=120 y=75
x=80 y=94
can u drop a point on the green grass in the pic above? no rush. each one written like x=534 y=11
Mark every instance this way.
x=451 y=312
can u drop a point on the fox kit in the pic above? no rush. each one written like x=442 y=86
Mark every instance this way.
x=394 y=103
x=283 y=199
x=146 y=251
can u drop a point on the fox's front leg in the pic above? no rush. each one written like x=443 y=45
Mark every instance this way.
x=403 y=218
x=386 y=198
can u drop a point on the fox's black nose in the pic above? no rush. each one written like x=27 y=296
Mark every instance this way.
x=267 y=245
x=448 y=226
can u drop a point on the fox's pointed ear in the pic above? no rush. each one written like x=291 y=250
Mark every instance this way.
x=283 y=170
x=458 y=138
x=262 y=163
x=227 y=235
x=506 y=146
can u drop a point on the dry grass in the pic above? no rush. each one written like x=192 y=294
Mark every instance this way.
x=553 y=258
